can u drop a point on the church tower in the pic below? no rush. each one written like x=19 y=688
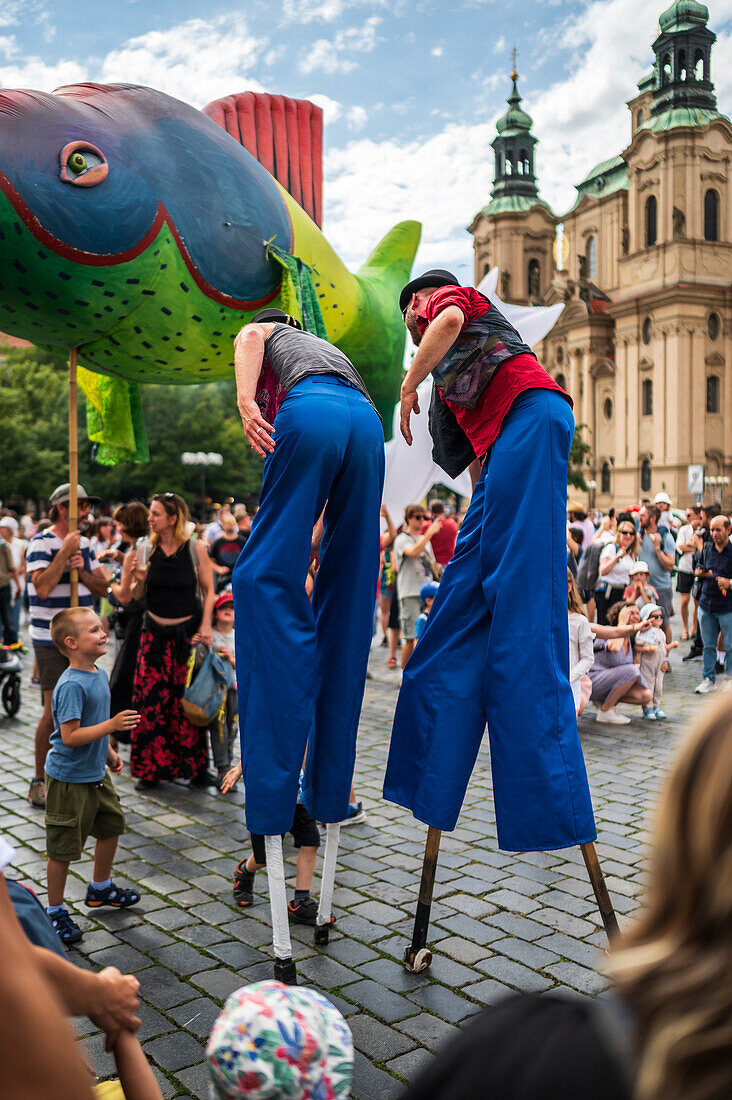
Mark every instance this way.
x=682 y=71
x=515 y=231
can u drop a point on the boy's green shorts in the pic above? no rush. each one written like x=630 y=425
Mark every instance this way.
x=75 y=811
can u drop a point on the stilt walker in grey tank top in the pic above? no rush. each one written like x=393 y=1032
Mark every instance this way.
x=301 y=666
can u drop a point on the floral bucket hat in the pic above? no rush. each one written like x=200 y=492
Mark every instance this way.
x=277 y=1041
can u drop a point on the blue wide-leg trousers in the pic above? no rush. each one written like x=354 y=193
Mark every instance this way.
x=301 y=666
x=495 y=650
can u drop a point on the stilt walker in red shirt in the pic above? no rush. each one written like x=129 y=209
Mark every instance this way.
x=496 y=640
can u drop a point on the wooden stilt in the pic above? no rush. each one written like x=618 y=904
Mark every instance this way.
x=73 y=469
x=417 y=957
x=599 y=887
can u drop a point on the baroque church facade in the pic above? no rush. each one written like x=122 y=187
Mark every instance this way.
x=643 y=263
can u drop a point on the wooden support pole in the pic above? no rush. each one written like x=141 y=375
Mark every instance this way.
x=416 y=956
x=599 y=886
x=73 y=468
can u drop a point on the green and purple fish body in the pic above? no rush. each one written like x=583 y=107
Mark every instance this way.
x=137 y=230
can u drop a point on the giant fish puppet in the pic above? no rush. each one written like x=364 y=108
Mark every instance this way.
x=138 y=230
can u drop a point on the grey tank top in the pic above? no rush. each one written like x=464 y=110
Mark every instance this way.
x=294 y=355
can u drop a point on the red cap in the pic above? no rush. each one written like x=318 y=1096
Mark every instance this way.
x=223 y=600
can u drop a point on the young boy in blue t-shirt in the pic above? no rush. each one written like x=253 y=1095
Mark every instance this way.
x=80 y=797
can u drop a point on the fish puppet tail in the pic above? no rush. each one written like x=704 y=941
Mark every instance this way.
x=380 y=342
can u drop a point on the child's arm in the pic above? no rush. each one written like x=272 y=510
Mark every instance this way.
x=230 y=779
x=74 y=734
x=114 y=761
x=135 y=1075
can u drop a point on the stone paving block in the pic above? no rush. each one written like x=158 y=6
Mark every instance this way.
x=530 y=954
x=409 y=1065
x=513 y=973
x=326 y=973
x=153 y=1023
x=97 y=941
x=378 y=913
x=429 y=1030
x=197 y=1016
x=463 y=951
x=564 y=922
x=450 y=972
x=513 y=901
x=443 y=1003
x=382 y=1002
x=184 y=959
x=377 y=1040
x=391 y=973
x=162 y=989
x=372 y=1083
x=361 y=929
x=236 y=955
x=350 y=952
x=121 y=955
x=217 y=983
x=213 y=912
x=202 y=935
x=171 y=919
x=344 y=1007
x=474 y=907
x=578 y=977
x=569 y=903
x=469 y=928
x=196 y=1080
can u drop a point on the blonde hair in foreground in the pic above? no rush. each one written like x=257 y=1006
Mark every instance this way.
x=674 y=967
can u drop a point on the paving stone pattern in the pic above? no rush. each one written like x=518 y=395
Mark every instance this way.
x=500 y=922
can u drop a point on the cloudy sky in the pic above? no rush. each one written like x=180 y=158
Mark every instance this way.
x=411 y=91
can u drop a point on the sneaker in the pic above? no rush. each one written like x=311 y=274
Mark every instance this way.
x=650 y=714
x=116 y=897
x=37 y=794
x=356 y=815
x=705 y=686
x=205 y=779
x=612 y=717
x=659 y=713
x=304 y=912
x=243 y=886
x=65 y=928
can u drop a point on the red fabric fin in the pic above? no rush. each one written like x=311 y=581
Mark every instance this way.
x=286 y=137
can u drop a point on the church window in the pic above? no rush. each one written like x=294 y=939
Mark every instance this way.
x=640 y=118
x=666 y=69
x=605 y=478
x=651 y=221
x=509 y=166
x=647 y=397
x=647 y=330
x=713 y=326
x=524 y=162
x=681 y=65
x=713 y=393
x=534 y=279
x=699 y=65
x=561 y=380
x=645 y=477
x=592 y=257
x=560 y=354
x=607 y=408
x=711 y=216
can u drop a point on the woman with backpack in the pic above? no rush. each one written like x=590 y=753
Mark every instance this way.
x=616 y=561
x=178 y=586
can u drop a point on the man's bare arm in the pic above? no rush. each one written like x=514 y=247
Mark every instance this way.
x=436 y=342
x=248 y=360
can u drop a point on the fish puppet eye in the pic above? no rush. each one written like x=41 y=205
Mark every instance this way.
x=82 y=164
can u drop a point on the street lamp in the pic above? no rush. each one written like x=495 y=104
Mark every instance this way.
x=202 y=459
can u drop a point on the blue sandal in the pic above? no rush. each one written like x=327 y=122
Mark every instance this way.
x=115 y=896
x=65 y=927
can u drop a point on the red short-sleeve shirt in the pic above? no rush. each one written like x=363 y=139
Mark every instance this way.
x=523 y=372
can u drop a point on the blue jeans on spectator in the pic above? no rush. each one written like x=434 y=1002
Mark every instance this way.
x=713 y=624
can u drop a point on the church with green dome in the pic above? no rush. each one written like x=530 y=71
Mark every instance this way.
x=643 y=264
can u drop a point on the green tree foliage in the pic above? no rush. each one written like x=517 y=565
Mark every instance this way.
x=34 y=440
x=579 y=454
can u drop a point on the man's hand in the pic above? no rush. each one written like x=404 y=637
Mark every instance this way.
x=115 y=1003
x=125 y=720
x=259 y=433
x=657 y=541
x=409 y=405
x=71 y=544
x=724 y=584
x=76 y=560
x=434 y=527
x=114 y=762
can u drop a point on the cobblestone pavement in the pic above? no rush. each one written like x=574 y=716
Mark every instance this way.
x=499 y=921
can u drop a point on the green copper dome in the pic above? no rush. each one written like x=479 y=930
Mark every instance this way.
x=514 y=119
x=683 y=15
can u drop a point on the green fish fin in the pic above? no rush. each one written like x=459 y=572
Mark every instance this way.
x=115 y=424
x=298 y=295
x=393 y=256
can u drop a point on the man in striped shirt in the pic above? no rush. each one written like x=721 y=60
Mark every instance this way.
x=50 y=557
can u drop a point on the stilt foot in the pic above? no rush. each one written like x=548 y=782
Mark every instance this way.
x=416 y=961
x=322 y=935
x=285 y=971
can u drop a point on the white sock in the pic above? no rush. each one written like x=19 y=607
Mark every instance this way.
x=52 y=909
x=101 y=885
x=720 y=656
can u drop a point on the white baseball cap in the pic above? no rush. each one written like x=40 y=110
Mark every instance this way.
x=638 y=567
x=662 y=498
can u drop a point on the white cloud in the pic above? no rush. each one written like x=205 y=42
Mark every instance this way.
x=331 y=108
x=499 y=45
x=437 y=51
x=197 y=60
x=311 y=11
x=335 y=55
x=357 y=118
